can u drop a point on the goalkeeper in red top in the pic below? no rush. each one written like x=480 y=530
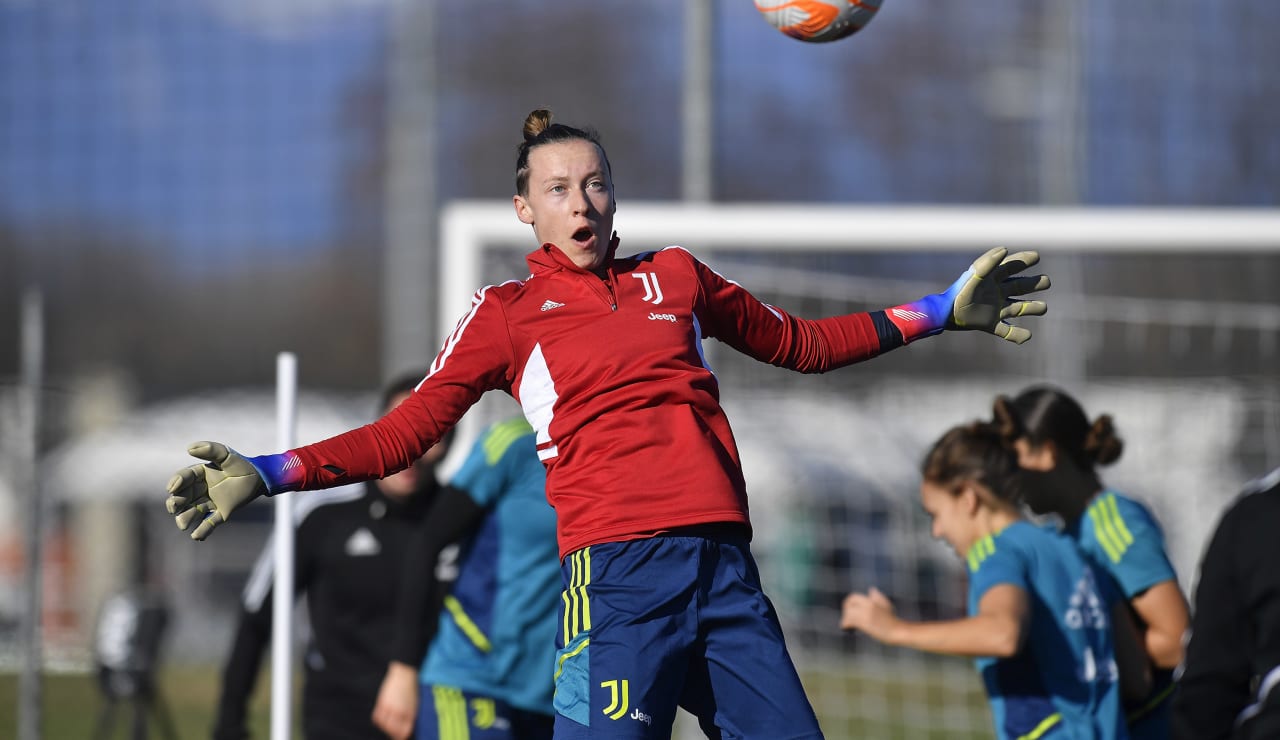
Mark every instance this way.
x=662 y=604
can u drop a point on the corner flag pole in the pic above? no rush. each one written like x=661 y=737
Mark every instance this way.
x=282 y=555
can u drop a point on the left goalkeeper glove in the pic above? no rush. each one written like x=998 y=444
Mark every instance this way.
x=981 y=299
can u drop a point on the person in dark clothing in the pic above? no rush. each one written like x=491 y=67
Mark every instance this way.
x=349 y=548
x=1229 y=680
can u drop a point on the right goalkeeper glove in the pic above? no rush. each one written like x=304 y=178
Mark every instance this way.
x=206 y=494
x=981 y=299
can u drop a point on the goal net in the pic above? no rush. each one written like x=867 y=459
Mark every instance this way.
x=1166 y=319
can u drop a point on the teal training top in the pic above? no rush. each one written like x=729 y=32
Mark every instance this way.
x=1064 y=682
x=1123 y=539
x=497 y=633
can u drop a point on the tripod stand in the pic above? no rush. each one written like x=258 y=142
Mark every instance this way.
x=141 y=696
x=126 y=650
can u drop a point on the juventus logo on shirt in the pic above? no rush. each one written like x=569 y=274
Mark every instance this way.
x=652 y=291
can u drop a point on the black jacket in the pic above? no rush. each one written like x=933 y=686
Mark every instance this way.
x=1230 y=687
x=349 y=559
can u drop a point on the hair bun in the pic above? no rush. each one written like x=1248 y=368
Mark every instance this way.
x=535 y=123
x=1101 y=444
x=1005 y=420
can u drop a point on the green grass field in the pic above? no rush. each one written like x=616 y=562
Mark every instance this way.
x=859 y=698
x=73 y=706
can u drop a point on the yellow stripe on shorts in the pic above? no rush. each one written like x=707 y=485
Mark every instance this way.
x=577 y=606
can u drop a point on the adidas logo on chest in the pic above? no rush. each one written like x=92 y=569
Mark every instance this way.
x=362 y=543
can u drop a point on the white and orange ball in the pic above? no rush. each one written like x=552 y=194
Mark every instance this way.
x=818 y=20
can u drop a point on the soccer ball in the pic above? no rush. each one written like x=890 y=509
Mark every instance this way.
x=818 y=20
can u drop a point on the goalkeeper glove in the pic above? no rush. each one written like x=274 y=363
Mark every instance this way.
x=981 y=300
x=206 y=494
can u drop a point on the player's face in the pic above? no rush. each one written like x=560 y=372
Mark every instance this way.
x=953 y=515
x=570 y=200
x=410 y=480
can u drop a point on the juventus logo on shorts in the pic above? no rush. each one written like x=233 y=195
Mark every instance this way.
x=619 y=692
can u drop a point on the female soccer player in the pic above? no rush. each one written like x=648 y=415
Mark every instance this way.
x=1046 y=629
x=486 y=671
x=662 y=604
x=1059 y=451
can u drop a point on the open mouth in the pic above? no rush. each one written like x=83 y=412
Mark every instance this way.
x=583 y=235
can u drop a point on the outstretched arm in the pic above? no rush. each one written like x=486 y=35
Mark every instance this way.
x=996 y=631
x=983 y=298
x=476 y=358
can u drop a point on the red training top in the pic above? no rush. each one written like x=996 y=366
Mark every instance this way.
x=610 y=373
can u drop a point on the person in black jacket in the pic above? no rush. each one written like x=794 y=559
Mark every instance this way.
x=1229 y=685
x=349 y=549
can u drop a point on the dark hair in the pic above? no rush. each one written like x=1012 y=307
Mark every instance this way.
x=1046 y=414
x=405 y=383
x=973 y=452
x=400 y=384
x=539 y=130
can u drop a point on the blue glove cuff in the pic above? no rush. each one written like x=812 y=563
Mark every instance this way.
x=281 y=473
x=929 y=315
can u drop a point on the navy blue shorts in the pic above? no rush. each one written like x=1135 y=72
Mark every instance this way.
x=446 y=713
x=648 y=625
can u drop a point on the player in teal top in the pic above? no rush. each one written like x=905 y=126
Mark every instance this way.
x=1059 y=450
x=1052 y=639
x=488 y=672
x=1069 y=663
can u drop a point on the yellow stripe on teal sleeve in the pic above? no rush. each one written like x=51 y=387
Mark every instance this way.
x=1109 y=528
x=1048 y=724
x=501 y=436
x=980 y=551
x=467 y=624
x=1122 y=529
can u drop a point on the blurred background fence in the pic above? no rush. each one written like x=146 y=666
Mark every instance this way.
x=196 y=186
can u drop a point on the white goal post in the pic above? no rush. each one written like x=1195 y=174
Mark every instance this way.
x=831 y=463
x=468 y=227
